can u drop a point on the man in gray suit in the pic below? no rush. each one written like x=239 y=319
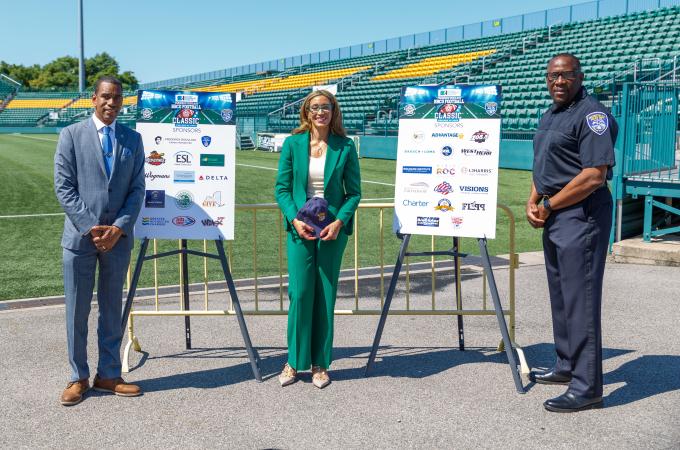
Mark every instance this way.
x=99 y=182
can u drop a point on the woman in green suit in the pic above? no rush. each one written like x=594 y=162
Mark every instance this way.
x=318 y=160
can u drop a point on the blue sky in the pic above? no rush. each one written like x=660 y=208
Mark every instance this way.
x=166 y=39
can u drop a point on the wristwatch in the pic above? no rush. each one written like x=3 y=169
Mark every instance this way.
x=546 y=203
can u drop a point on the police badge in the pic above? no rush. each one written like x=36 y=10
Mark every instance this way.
x=491 y=108
x=205 y=140
x=598 y=122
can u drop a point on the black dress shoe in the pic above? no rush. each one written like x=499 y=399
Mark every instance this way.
x=569 y=402
x=549 y=378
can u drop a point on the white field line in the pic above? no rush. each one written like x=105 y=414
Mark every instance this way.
x=23 y=216
x=33 y=137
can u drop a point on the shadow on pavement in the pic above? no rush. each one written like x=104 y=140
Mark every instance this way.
x=644 y=377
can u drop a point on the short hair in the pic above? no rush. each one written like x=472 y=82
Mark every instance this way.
x=107 y=79
x=570 y=56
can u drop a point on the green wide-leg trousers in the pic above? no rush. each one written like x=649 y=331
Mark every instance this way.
x=313 y=270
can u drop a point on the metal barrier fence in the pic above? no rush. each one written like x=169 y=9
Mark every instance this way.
x=540 y=19
x=353 y=274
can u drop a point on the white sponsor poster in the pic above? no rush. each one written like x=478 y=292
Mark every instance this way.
x=190 y=157
x=447 y=160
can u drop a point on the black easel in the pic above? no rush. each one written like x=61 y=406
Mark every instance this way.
x=454 y=251
x=184 y=251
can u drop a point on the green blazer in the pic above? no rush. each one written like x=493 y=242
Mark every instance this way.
x=342 y=181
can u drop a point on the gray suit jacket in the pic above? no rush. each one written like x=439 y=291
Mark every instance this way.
x=85 y=193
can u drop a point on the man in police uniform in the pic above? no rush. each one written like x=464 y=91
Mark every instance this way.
x=573 y=157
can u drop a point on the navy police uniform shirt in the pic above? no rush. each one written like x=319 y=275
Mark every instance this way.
x=570 y=139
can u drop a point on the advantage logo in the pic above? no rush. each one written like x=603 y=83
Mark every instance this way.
x=184 y=199
x=427 y=222
x=155 y=158
x=154 y=199
x=184 y=176
x=183 y=221
x=212 y=160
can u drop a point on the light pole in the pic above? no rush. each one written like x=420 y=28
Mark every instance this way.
x=81 y=59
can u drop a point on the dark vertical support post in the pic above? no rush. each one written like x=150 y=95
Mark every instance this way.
x=252 y=355
x=133 y=284
x=184 y=261
x=486 y=261
x=388 y=302
x=459 y=294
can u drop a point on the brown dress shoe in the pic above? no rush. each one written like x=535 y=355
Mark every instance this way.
x=73 y=394
x=116 y=386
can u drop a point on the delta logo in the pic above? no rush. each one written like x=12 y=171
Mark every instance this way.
x=155 y=158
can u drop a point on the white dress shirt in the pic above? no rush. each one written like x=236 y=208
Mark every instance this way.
x=315 y=177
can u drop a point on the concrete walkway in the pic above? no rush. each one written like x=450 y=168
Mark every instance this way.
x=423 y=392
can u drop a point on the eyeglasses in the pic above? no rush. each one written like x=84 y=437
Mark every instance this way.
x=316 y=108
x=569 y=75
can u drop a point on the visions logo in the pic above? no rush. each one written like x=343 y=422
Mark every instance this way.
x=474 y=189
x=183 y=221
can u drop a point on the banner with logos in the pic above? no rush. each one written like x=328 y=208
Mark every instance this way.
x=447 y=160
x=190 y=150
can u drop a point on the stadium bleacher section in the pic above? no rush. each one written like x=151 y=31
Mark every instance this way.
x=637 y=46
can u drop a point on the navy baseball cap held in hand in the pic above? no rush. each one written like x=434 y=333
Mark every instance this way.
x=315 y=214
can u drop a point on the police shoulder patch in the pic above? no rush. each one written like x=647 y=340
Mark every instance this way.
x=598 y=122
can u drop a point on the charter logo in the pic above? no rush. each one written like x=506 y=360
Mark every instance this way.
x=419 y=203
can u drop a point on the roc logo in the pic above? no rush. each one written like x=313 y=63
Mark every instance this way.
x=184 y=199
x=491 y=108
x=183 y=221
x=444 y=205
x=457 y=222
x=155 y=158
x=480 y=136
x=443 y=188
x=227 y=114
x=598 y=122
x=445 y=170
x=205 y=140
x=409 y=110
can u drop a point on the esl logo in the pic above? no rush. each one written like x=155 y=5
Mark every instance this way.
x=183 y=158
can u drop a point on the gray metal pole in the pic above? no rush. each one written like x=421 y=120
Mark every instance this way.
x=81 y=60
